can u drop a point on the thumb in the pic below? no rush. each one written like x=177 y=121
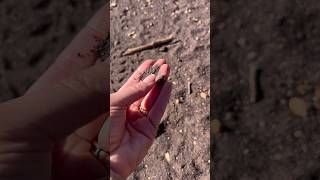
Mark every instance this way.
x=58 y=111
x=126 y=96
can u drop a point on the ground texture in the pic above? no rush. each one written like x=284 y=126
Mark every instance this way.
x=278 y=136
x=184 y=131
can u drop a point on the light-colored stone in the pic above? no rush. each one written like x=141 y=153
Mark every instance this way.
x=167 y=157
x=298 y=106
x=203 y=95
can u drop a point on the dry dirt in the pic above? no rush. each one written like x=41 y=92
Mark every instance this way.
x=184 y=130
x=266 y=140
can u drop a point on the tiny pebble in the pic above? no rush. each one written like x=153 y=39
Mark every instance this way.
x=113 y=4
x=203 y=95
x=167 y=156
x=298 y=106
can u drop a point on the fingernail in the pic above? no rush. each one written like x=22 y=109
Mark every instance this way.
x=150 y=79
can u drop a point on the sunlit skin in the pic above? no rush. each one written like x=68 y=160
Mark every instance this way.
x=133 y=132
x=46 y=133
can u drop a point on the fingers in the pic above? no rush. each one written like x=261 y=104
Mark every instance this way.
x=159 y=107
x=126 y=96
x=151 y=97
x=80 y=54
x=61 y=109
x=135 y=77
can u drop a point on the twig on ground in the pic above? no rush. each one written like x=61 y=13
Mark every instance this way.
x=154 y=44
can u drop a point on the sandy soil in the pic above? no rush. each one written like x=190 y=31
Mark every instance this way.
x=184 y=131
x=266 y=140
x=32 y=34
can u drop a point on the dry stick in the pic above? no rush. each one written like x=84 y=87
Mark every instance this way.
x=154 y=44
x=189 y=88
x=253 y=82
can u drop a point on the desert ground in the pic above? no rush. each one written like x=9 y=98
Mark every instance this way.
x=276 y=136
x=181 y=149
x=34 y=32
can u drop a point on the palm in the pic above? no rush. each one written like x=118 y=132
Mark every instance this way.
x=132 y=132
x=131 y=145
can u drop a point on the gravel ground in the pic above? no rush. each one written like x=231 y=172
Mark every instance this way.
x=183 y=136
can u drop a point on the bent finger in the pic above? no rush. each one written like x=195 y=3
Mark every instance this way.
x=160 y=105
x=152 y=96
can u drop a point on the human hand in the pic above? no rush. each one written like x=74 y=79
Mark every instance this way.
x=132 y=131
x=44 y=133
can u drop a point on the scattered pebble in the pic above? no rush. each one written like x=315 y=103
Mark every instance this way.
x=132 y=34
x=177 y=101
x=113 y=4
x=298 y=106
x=203 y=95
x=167 y=157
x=194 y=19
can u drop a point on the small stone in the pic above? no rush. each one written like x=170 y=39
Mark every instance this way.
x=298 y=106
x=215 y=127
x=132 y=34
x=164 y=49
x=177 y=101
x=167 y=157
x=203 y=95
x=113 y=4
x=298 y=134
x=194 y=19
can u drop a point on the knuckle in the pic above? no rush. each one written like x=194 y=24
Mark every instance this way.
x=140 y=88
